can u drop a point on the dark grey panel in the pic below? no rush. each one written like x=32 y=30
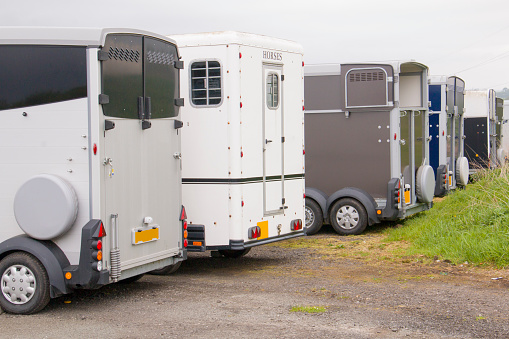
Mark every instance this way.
x=323 y=92
x=346 y=152
x=364 y=86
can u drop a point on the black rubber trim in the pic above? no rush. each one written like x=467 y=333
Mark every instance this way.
x=239 y=181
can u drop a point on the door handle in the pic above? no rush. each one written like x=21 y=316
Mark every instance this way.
x=267 y=141
x=177 y=155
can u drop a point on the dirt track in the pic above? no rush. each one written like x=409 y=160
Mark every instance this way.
x=251 y=297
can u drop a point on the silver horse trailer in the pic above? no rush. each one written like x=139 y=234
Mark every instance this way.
x=91 y=180
x=367 y=156
x=446 y=131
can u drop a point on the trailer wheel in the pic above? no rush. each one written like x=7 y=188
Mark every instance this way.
x=234 y=253
x=167 y=270
x=24 y=284
x=314 y=217
x=348 y=216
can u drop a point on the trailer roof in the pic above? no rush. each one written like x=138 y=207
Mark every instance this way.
x=74 y=36
x=237 y=38
x=335 y=69
x=442 y=79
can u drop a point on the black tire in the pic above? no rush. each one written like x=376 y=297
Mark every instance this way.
x=167 y=270
x=131 y=279
x=234 y=253
x=348 y=216
x=314 y=217
x=23 y=273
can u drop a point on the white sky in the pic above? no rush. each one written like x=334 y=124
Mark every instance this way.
x=453 y=37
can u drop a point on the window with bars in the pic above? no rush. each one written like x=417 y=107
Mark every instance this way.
x=272 y=90
x=206 y=87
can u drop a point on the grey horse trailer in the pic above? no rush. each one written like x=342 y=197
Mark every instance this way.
x=367 y=152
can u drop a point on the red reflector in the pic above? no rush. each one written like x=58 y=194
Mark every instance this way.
x=185 y=242
x=304 y=152
x=242 y=203
x=240 y=105
x=240 y=55
x=102 y=232
x=303 y=108
x=443 y=133
x=241 y=154
x=395 y=136
x=99 y=245
x=183 y=214
x=94 y=148
x=304 y=195
x=185 y=225
x=303 y=64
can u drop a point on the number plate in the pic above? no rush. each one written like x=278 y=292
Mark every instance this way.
x=142 y=235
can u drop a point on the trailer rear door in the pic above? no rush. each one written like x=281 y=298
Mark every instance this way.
x=272 y=139
x=141 y=172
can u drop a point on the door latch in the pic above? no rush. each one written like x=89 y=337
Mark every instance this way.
x=109 y=162
x=177 y=155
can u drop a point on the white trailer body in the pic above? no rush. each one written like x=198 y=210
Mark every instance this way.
x=90 y=188
x=243 y=172
x=446 y=129
x=367 y=144
x=504 y=139
x=480 y=129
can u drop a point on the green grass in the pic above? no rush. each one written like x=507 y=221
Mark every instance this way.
x=470 y=224
x=308 y=309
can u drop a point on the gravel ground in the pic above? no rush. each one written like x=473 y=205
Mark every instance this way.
x=252 y=297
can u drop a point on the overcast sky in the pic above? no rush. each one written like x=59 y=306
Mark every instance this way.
x=467 y=38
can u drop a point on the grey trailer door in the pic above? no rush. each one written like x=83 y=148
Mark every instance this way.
x=142 y=176
x=272 y=139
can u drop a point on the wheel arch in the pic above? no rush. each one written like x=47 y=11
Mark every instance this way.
x=361 y=196
x=48 y=253
x=319 y=197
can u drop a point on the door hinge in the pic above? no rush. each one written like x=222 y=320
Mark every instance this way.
x=282 y=77
x=282 y=139
x=178 y=124
x=102 y=55
x=179 y=102
x=179 y=64
x=104 y=99
x=108 y=124
x=283 y=201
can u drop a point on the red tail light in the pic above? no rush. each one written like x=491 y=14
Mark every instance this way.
x=254 y=232
x=102 y=232
x=183 y=214
x=296 y=225
x=185 y=242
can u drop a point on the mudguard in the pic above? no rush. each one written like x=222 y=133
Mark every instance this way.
x=360 y=195
x=320 y=198
x=47 y=252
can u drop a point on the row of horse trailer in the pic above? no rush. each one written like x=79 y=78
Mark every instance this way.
x=123 y=150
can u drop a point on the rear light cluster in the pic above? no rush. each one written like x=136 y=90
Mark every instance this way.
x=254 y=232
x=296 y=225
x=97 y=246
x=444 y=180
x=397 y=194
x=183 y=218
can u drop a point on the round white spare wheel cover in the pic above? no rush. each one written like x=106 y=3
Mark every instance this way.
x=45 y=206
x=462 y=170
x=425 y=184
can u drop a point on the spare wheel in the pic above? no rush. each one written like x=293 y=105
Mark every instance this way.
x=462 y=170
x=45 y=206
x=425 y=184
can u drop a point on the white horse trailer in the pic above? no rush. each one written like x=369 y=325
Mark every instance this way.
x=481 y=129
x=446 y=131
x=367 y=144
x=243 y=137
x=504 y=138
x=91 y=179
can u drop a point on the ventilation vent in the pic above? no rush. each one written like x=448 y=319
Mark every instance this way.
x=123 y=54
x=160 y=58
x=366 y=76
